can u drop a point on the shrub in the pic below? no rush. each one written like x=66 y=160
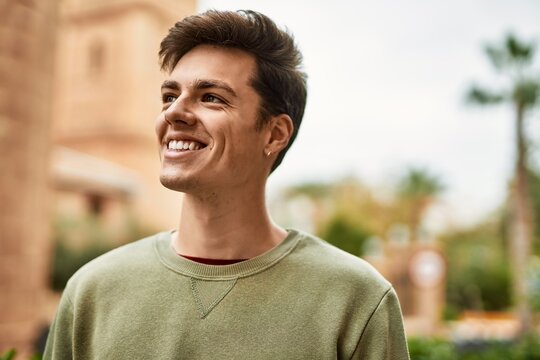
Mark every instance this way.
x=526 y=348
x=480 y=278
x=10 y=355
x=431 y=349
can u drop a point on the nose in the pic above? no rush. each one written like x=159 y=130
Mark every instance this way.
x=178 y=113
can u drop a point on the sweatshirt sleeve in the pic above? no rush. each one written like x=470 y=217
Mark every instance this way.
x=383 y=336
x=59 y=343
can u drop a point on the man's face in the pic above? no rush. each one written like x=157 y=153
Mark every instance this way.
x=206 y=129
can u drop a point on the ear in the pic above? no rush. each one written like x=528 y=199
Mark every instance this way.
x=280 y=129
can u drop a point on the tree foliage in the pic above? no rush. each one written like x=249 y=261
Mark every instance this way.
x=418 y=183
x=417 y=189
x=345 y=234
x=512 y=60
x=480 y=276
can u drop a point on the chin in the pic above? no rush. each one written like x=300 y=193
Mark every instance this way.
x=179 y=183
x=172 y=182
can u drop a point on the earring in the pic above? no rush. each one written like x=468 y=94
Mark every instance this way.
x=268 y=153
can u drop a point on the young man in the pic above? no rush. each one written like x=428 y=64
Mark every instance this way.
x=227 y=283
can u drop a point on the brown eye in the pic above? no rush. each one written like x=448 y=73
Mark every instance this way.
x=211 y=98
x=166 y=99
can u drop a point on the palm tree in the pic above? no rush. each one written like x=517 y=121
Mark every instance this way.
x=418 y=188
x=512 y=59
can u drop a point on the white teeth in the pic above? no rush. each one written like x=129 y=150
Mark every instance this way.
x=184 y=145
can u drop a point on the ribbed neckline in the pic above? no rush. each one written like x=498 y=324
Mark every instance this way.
x=167 y=255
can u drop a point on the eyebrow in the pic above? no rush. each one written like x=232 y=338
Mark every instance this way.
x=170 y=84
x=201 y=84
x=210 y=84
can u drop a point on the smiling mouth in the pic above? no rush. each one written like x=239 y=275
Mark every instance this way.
x=185 y=145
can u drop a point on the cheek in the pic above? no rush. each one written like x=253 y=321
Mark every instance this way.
x=244 y=141
x=160 y=125
x=249 y=148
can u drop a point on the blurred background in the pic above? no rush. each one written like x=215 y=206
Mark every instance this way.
x=418 y=152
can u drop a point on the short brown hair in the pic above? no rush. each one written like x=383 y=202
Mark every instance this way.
x=279 y=80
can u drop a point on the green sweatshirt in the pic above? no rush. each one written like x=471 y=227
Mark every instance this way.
x=304 y=299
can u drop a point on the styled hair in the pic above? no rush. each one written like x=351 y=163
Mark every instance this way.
x=278 y=79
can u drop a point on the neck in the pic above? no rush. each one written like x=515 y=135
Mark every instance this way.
x=232 y=225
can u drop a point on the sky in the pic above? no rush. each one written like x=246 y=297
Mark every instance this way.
x=386 y=91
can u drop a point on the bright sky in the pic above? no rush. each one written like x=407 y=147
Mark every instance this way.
x=386 y=85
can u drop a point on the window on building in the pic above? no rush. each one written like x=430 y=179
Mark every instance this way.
x=96 y=57
x=96 y=204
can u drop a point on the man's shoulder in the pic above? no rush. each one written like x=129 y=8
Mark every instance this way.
x=333 y=264
x=124 y=261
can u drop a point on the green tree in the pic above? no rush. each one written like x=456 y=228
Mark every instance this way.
x=418 y=189
x=512 y=59
x=345 y=234
x=480 y=276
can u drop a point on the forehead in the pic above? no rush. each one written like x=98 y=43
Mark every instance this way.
x=231 y=65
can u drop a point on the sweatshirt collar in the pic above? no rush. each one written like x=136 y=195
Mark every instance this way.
x=181 y=265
